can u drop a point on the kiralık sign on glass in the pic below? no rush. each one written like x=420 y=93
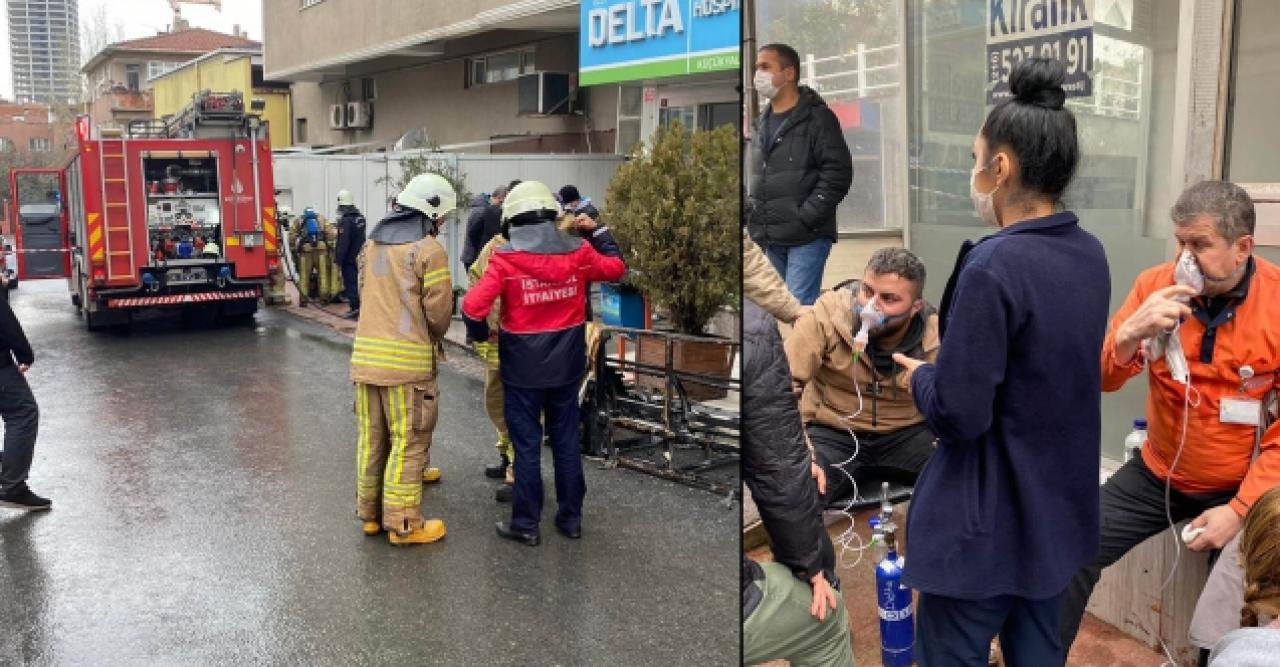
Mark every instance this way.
x=1021 y=29
x=631 y=40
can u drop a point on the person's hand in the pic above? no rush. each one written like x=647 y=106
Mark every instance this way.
x=819 y=476
x=1159 y=313
x=824 y=597
x=493 y=337
x=909 y=366
x=801 y=312
x=585 y=223
x=909 y=363
x=1220 y=524
x=23 y=368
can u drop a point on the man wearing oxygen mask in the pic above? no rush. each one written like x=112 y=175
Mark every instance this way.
x=858 y=410
x=1219 y=302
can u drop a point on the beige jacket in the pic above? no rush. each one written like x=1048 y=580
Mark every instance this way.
x=820 y=351
x=406 y=303
x=762 y=284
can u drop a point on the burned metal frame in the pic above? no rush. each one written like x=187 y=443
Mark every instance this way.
x=665 y=421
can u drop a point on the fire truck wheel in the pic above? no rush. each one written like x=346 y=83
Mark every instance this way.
x=13 y=283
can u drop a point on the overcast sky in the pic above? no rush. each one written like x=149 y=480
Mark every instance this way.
x=141 y=18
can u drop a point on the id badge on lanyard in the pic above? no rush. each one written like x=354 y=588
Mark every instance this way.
x=1242 y=409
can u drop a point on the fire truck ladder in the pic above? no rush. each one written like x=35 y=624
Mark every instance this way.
x=117 y=207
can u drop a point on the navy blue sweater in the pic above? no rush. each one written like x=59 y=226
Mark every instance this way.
x=1008 y=504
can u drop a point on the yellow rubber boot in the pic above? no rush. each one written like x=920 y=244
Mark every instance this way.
x=431 y=530
x=372 y=527
x=430 y=475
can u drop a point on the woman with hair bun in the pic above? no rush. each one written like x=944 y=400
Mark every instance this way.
x=1006 y=511
x=1257 y=641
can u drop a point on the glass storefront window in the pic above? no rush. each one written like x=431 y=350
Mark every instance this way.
x=1253 y=145
x=851 y=54
x=1124 y=186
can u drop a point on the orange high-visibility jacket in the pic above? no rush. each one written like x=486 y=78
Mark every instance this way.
x=1217 y=456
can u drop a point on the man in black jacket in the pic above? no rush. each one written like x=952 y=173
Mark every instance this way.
x=351 y=226
x=778 y=468
x=801 y=172
x=483 y=224
x=18 y=409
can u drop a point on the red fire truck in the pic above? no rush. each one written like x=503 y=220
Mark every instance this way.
x=175 y=213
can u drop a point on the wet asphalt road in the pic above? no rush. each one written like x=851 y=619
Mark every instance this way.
x=203 y=492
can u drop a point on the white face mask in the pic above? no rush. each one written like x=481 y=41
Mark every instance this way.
x=982 y=203
x=764 y=84
x=1187 y=272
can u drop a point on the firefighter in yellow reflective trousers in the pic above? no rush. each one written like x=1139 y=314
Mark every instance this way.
x=313 y=257
x=405 y=310
x=332 y=290
x=505 y=469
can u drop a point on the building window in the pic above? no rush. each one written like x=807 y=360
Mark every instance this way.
x=300 y=134
x=502 y=66
x=5 y=144
x=157 y=68
x=41 y=145
x=133 y=76
x=1253 y=142
x=855 y=62
x=1124 y=184
x=630 y=109
x=368 y=89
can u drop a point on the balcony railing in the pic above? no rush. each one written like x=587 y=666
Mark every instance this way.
x=132 y=100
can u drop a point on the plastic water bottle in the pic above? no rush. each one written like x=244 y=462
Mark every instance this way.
x=1133 y=442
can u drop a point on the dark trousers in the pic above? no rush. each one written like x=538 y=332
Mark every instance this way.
x=21 y=422
x=895 y=456
x=351 y=285
x=954 y=633
x=526 y=410
x=1132 y=510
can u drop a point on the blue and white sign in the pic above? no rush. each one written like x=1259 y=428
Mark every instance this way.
x=628 y=40
x=1020 y=29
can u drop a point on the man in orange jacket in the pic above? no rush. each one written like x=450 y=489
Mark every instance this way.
x=1204 y=441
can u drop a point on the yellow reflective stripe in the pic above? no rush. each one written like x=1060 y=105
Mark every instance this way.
x=435 y=277
x=487 y=351
x=389 y=343
x=396 y=347
x=364 y=444
x=423 y=356
x=399 y=441
x=389 y=363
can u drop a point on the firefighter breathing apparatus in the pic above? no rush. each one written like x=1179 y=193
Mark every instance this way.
x=311 y=225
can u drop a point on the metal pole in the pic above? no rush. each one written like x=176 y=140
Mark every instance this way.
x=749 y=98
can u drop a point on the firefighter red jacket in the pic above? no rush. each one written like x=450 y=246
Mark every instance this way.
x=541 y=276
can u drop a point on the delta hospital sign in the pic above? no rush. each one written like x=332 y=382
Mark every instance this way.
x=629 y=40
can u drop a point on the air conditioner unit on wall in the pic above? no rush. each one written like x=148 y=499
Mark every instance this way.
x=359 y=114
x=546 y=93
x=337 y=116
